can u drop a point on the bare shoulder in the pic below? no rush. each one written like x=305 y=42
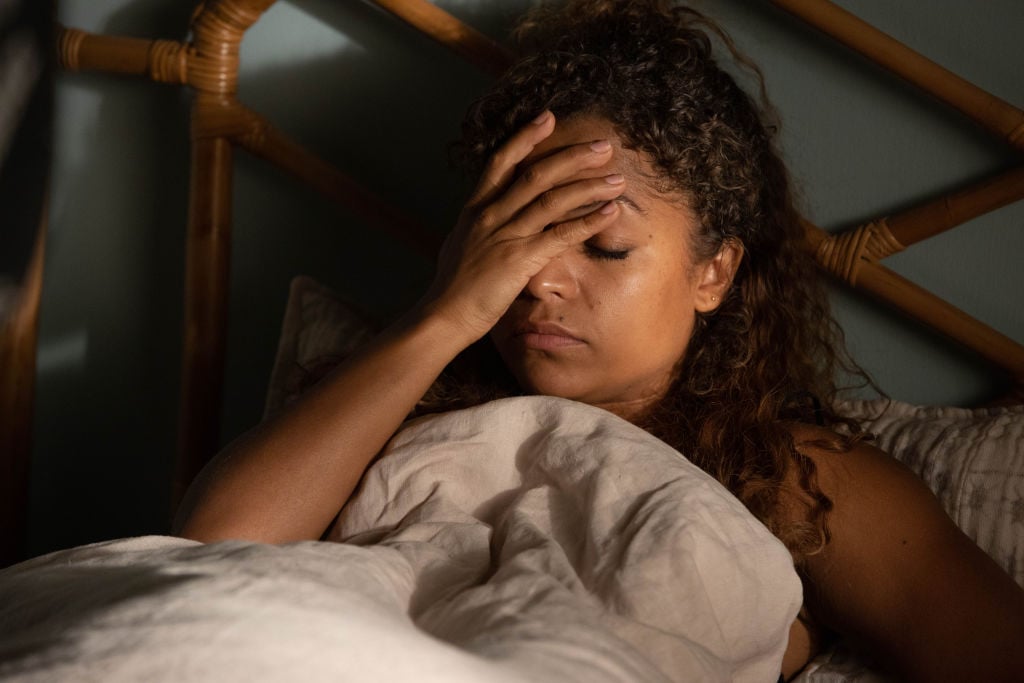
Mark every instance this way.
x=900 y=578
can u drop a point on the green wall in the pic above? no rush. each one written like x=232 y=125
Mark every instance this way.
x=382 y=103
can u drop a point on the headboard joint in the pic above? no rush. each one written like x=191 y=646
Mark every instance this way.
x=842 y=254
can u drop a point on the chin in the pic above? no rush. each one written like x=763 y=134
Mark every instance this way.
x=551 y=384
x=543 y=376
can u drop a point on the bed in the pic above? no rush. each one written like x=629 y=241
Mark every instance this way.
x=114 y=601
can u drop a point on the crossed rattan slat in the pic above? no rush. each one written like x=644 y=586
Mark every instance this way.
x=853 y=256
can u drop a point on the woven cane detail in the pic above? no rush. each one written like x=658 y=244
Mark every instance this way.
x=881 y=242
x=68 y=45
x=217 y=32
x=168 y=62
x=843 y=254
x=253 y=135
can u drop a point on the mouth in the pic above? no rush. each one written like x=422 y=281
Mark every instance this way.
x=545 y=336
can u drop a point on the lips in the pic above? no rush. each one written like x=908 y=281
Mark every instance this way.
x=545 y=336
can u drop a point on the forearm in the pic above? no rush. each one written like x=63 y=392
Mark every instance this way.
x=286 y=479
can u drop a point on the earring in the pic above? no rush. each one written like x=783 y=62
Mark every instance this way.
x=714 y=299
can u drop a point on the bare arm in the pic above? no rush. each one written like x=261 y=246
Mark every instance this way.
x=902 y=581
x=287 y=479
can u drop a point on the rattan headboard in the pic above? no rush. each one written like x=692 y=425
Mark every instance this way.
x=208 y=65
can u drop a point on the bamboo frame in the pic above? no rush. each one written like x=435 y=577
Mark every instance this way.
x=853 y=255
x=18 y=334
x=464 y=40
x=209 y=66
x=997 y=116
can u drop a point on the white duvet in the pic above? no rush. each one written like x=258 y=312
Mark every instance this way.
x=529 y=539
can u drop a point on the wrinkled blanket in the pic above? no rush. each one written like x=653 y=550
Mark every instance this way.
x=529 y=539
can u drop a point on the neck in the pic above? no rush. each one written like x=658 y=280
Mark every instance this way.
x=632 y=409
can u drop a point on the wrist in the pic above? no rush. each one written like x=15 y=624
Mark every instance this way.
x=436 y=330
x=443 y=324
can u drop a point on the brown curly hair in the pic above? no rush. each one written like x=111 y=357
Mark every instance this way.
x=768 y=356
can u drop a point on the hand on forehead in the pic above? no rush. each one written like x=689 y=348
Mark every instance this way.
x=584 y=131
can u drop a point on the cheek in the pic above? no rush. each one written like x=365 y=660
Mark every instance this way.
x=662 y=309
x=632 y=309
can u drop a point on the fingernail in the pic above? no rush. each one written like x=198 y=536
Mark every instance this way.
x=600 y=146
x=542 y=118
x=607 y=208
x=614 y=179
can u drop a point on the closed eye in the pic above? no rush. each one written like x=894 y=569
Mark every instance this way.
x=605 y=254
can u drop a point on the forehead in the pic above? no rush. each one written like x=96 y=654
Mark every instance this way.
x=583 y=129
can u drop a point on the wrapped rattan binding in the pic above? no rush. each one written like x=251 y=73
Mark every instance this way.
x=841 y=254
x=164 y=61
x=853 y=256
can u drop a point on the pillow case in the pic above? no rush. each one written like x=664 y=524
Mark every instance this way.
x=318 y=324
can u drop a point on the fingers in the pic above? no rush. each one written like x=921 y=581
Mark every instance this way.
x=548 y=244
x=502 y=165
x=518 y=201
x=536 y=181
x=564 y=204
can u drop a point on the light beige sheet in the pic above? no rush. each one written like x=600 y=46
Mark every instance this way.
x=530 y=539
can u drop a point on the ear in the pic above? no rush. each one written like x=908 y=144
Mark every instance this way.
x=714 y=277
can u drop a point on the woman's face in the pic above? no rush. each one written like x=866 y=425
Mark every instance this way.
x=608 y=322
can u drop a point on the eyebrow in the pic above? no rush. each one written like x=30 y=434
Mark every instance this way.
x=623 y=198
x=628 y=201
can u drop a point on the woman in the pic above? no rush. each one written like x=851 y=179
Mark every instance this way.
x=632 y=244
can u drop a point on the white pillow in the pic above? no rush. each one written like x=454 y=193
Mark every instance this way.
x=318 y=325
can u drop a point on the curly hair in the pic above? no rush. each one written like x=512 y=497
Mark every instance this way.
x=768 y=356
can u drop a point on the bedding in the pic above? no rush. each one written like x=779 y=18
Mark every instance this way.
x=972 y=459
x=452 y=571
x=528 y=539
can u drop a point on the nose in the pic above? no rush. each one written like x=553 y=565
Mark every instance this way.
x=558 y=279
